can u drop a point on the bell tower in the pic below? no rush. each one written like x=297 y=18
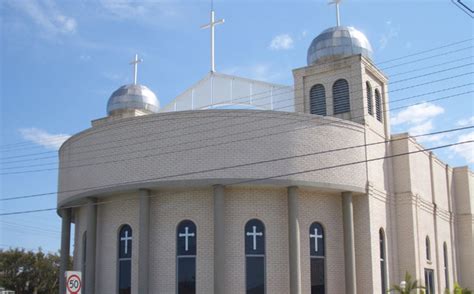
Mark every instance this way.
x=342 y=81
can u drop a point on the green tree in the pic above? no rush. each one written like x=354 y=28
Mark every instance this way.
x=29 y=272
x=460 y=290
x=410 y=286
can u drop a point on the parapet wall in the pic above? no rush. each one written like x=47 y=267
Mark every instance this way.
x=193 y=148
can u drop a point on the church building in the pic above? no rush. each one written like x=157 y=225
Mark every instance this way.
x=245 y=186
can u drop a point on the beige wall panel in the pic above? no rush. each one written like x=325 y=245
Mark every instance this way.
x=168 y=209
x=327 y=210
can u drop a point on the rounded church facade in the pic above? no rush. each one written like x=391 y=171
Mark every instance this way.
x=174 y=166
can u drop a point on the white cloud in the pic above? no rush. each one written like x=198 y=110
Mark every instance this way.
x=466 y=122
x=422 y=128
x=425 y=128
x=47 y=16
x=124 y=9
x=66 y=24
x=281 y=42
x=304 y=33
x=84 y=57
x=465 y=150
x=154 y=12
x=419 y=119
x=417 y=114
x=390 y=33
x=259 y=71
x=43 y=138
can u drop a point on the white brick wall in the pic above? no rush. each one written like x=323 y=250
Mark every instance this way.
x=167 y=210
x=400 y=201
x=244 y=137
x=327 y=210
x=112 y=214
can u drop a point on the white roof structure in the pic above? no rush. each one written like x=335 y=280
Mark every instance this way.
x=222 y=91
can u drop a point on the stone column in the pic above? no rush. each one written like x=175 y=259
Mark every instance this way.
x=91 y=245
x=349 y=244
x=65 y=246
x=294 y=241
x=219 y=240
x=143 y=241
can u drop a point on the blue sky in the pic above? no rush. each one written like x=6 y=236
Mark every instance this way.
x=61 y=60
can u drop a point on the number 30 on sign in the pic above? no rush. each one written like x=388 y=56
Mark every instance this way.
x=73 y=282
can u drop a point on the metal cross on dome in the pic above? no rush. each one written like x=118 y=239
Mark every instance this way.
x=135 y=63
x=186 y=236
x=126 y=239
x=254 y=234
x=211 y=25
x=316 y=237
x=336 y=2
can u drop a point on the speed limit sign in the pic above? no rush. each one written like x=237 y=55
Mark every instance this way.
x=73 y=282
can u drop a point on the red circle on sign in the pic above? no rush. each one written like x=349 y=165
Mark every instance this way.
x=67 y=284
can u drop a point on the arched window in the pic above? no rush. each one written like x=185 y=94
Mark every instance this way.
x=317 y=254
x=428 y=248
x=383 y=261
x=378 y=105
x=125 y=260
x=254 y=257
x=340 y=94
x=317 y=97
x=84 y=259
x=446 y=273
x=186 y=241
x=370 y=106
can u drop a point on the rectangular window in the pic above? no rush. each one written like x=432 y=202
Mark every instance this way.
x=186 y=275
x=125 y=272
x=383 y=277
x=429 y=281
x=255 y=279
x=317 y=276
x=446 y=273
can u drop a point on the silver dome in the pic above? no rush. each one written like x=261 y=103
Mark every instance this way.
x=338 y=42
x=133 y=97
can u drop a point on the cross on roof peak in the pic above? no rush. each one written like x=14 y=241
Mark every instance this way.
x=211 y=26
x=135 y=63
x=336 y=3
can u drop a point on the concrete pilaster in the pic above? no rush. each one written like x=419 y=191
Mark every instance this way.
x=349 y=244
x=91 y=246
x=143 y=241
x=219 y=240
x=65 y=246
x=294 y=241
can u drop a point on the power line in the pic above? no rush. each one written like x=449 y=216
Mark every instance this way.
x=232 y=135
x=426 y=58
x=236 y=166
x=276 y=176
x=197 y=141
x=23 y=226
x=226 y=118
x=428 y=67
x=264 y=97
x=431 y=73
x=354 y=163
x=391 y=60
x=427 y=51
